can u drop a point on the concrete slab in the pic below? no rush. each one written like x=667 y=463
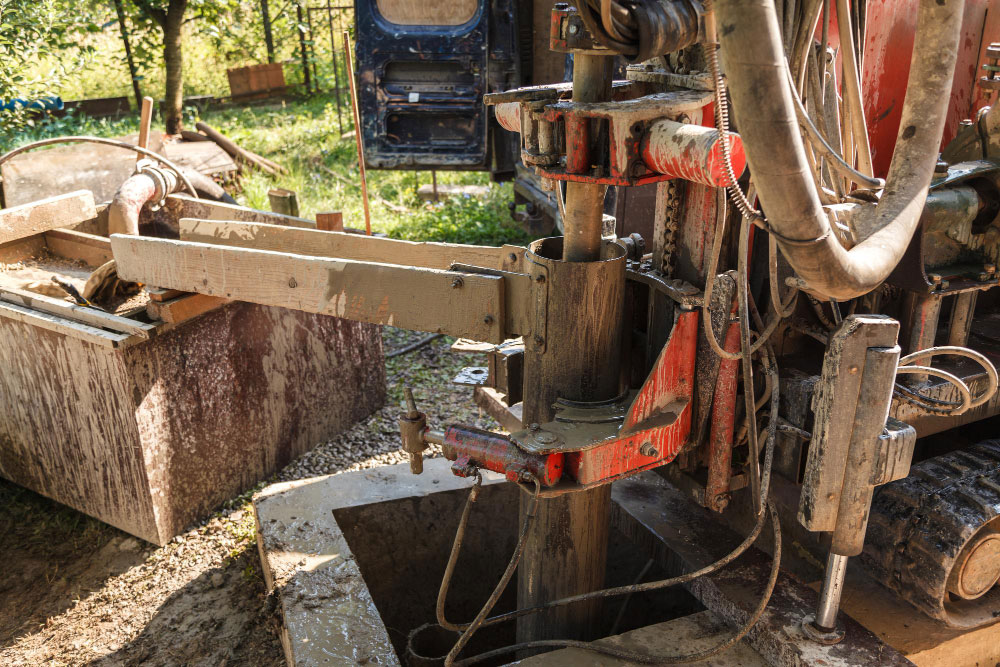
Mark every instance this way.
x=684 y=635
x=329 y=614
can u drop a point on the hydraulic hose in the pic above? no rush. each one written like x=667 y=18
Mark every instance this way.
x=757 y=74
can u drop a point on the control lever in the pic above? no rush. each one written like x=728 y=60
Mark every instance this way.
x=412 y=425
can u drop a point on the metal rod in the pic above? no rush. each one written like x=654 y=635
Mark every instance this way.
x=961 y=318
x=584 y=218
x=833 y=588
x=145 y=120
x=357 y=131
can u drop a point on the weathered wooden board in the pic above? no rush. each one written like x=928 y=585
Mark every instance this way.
x=318 y=243
x=60 y=325
x=183 y=206
x=36 y=217
x=203 y=156
x=61 y=169
x=70 y=311
x=151 y=437
x=90 y=249
x=184 y=307
x=458 y=304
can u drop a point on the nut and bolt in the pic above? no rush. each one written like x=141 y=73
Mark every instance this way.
x=292 y=283
x=573 y=28
x=457 y=282
x=540 y=278
x=488 y=320
x=539 y=340
x=935 y=278
x=647 y=449
x=534 y=427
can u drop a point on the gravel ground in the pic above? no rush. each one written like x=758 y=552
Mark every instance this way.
x=78 y=592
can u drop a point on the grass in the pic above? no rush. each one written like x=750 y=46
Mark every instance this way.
x=305 y=137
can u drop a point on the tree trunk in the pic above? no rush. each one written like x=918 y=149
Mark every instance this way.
x=174 y=61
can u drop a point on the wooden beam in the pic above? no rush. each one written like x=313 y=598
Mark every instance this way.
x=90 y=249
x=71 y=311
x=45 y=214
x=457 y=304
x=316 y=243
x=185 y=206
x=184 y=307
x=62 y=326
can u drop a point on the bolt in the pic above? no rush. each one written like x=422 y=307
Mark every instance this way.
x=292 y=283
x=457 y=282
x=488 y=320
x=512 y=257
x=540 y=278
x=539 y=340
x=945 y=284
x=935 y=278
x=647 y=449
x=573 y=29
x=941 y=168
x=533 y=427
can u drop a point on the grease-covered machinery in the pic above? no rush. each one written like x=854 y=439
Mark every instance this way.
x=799 y=332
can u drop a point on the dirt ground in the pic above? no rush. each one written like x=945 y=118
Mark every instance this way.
x=78 y=592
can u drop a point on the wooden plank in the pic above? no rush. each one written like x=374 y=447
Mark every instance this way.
x=184 y=307
x=159 y=294
x=60 y=325
x=317 y=243
x=22 y=249
x=203 y=156
x=185 y=206
x=39 y=216
x=90 y=249
x=71 y=311
x=411 y=298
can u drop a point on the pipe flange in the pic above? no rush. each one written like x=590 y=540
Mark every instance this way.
x=820 y=635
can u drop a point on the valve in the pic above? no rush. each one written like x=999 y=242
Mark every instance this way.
x=412 y=425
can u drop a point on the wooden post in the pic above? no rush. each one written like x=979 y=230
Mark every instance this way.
x=357 y=130
x=330 y=222
x=145 y=120
x=128 y=53
x=268 y=37
x=284 y=201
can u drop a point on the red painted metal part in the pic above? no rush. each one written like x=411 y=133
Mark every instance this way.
x=720 y=439
x=577 y=144
x=496 y=452
x=509 y=116
x=659 y=417
x=691 y=152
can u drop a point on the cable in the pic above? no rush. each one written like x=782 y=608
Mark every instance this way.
x=504 y=579
x=628 y=598
x=646 y=658
x=107 y=142
x=937 y=406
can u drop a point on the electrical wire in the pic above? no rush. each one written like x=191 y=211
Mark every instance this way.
x=937 y=406
x=107 y=142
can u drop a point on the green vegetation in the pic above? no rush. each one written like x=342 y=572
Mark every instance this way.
x=305 y=137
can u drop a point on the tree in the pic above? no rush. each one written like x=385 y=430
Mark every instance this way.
x=33 y=32
x=168 y=15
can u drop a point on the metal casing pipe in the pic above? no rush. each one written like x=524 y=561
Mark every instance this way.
x=691 y=152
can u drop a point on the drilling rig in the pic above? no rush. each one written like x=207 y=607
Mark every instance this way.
x=804 y=345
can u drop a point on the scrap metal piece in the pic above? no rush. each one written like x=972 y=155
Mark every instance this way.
x=472 y=376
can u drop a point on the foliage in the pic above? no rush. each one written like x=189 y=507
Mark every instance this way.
x=32 y=31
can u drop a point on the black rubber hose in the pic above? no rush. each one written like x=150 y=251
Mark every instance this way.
x=756 y=71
